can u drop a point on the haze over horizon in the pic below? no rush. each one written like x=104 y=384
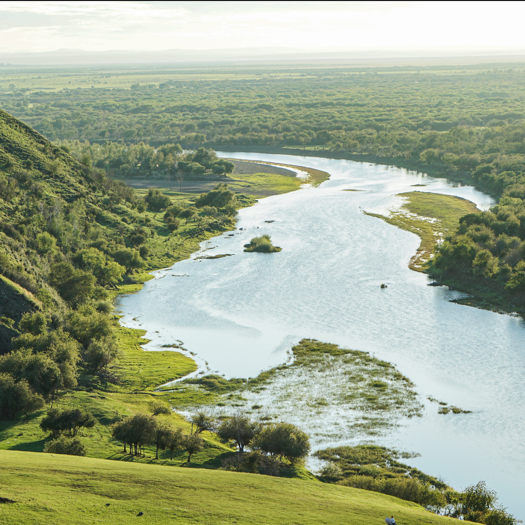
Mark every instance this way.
x=358 y=28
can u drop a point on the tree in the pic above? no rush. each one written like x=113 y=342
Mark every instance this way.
x=87 y=325
x=100 y=353
x=192 y=444
x=202 y=422
x=34 y=323
x=284 y=440
x=16 y=397
x=156 y=200
x=478 y=504
x=137 y=431
x=68 y=421
x=161 y=438
x=39 y=370
x=48 y=360
x=46 y=243
x=121 y=432
x=240 y=429
x=75 y=286
x=110 y=274
x=129 y=258
x=174 y=440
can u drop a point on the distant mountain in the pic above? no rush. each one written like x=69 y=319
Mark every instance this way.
x=79 y=57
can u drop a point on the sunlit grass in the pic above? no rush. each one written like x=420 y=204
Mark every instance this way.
x=432 y=216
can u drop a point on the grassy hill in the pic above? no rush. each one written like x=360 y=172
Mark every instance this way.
x=63 y=490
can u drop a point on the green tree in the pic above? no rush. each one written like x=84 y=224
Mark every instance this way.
x=192 y=444
x=75 y=286
x=68 y=421
x=283 y=440
x=129 y=258
x=17 y=397
x=240 y=429
x=34 y=323
x=46 y=243
x=100 y=353
x=202 y=421
x=174 y=441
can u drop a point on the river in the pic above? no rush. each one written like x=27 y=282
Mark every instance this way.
x=241 y=315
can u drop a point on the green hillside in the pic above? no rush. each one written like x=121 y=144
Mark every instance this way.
x=62 y=490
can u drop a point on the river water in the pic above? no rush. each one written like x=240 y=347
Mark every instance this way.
x=241 y=315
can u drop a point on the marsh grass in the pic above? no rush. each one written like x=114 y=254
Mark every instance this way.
x=331 y=392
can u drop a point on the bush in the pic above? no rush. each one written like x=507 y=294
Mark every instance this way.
x=16 y=397
x=255 y=463
x=68 y=421
x=156 y=200
x=403 y=488
x=63 y=445
x=160 y=408
x=283 y=440
x=261 y=244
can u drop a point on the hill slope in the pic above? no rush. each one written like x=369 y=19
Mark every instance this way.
x=64 y=490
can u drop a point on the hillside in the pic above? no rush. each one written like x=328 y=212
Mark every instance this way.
x=63 y=490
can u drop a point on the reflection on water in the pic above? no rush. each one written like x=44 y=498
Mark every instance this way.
x=242 y=314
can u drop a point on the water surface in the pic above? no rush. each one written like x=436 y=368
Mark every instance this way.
x=242 y=314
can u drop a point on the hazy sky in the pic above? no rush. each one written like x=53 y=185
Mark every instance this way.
x=143 y=25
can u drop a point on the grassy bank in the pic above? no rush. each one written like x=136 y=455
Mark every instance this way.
x=47 y=488
x=132 y=380
x=432 y=216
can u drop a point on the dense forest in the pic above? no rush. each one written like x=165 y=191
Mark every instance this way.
x=465 y=123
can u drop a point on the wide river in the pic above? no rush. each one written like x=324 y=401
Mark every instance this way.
x=242 y=314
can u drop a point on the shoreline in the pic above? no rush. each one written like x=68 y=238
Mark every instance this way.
x=315 y=177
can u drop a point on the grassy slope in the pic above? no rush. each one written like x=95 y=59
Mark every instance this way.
x=64 y=490
x=444 y=212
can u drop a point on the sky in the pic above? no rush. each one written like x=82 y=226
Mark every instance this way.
x=310 y=26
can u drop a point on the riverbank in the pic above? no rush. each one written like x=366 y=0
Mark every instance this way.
x=130 y=384
x=482 y=294
x=431 y=216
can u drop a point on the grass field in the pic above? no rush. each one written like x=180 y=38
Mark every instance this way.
x=432 y=216
x=63 y=490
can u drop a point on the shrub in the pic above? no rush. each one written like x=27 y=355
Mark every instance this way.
x=160 y=408
x=63 y=445
x=68 y=421
x=16 y=397
x=261 y=244
x=283 y=440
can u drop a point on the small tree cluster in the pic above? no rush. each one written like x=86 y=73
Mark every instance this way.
x=141 y=429
x=67 y=422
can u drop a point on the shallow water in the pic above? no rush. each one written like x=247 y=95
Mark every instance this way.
x=242 y=314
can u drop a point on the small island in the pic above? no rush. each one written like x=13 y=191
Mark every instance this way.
x=261 y=244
